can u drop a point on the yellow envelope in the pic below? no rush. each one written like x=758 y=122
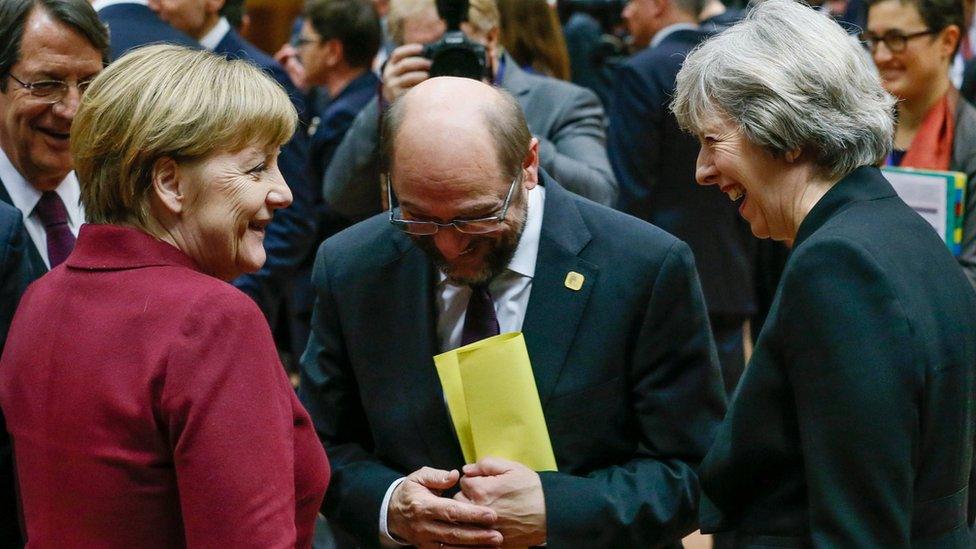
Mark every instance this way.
x=494 y=403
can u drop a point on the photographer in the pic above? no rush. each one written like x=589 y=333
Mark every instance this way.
x=568 y=120
x=595 y=38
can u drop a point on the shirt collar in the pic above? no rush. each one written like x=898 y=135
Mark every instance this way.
x=524 y=260
x=25 y=196
x=97 y=5
x=216 y=34
x=670 y=29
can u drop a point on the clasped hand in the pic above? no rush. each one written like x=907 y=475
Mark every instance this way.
x=500 y=505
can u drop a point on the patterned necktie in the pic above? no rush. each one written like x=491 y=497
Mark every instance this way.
x=480 y=321
x=54 y=216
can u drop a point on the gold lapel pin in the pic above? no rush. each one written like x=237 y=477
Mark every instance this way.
x=574 y=281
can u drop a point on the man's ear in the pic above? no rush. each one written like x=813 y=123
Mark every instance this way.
x=531 y=165
x=658 y=7
x=491 y=40
x=335 y=52
x=214 y=6
x=949 y=39
x=166 y=185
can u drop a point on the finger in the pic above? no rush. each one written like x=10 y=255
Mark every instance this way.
x=460 y=512
x=409 y=80
x=461 y=497
x=406 y=50
x=489 y=466
x=285 y=52
x=410 y=64
x=435 y=479
x=476 y=489
x=462 y=535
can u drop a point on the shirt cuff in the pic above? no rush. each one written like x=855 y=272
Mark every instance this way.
x=387 y=539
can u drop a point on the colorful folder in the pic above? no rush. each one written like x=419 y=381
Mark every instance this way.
x=939 y=197
x=494 y=403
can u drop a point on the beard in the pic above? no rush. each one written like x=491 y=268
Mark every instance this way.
x=495 y=261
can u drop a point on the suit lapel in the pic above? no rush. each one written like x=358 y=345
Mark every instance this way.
x=550 y=325
x=226 y=44
x=38 y=267
x=554 y=309
x=413 y=326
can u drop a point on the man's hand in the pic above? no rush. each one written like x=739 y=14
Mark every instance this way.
x=403 y=70
x=287 y=57
x=420 y=516
x=514 y=492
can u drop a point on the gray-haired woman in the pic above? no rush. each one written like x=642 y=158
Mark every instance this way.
x=853 y=424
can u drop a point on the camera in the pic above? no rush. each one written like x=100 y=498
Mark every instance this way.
x=455 y=54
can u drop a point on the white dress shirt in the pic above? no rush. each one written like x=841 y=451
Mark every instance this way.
x=25 y=197
x=509 y=293
x=216 y=34
x=98 y=5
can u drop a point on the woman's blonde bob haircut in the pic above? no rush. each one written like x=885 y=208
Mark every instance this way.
x=167 y=101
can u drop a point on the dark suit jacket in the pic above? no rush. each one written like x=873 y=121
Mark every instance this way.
x=335 y=119
x=291 y=235
x=134 y=25
x=333 y=122
x=722 y=21
x=37 y=265
x=654 y=161
x=625 y=368
x=853 y=425
x=15 y=274
x=587 y=58
x=968 y=87
x=964 y=160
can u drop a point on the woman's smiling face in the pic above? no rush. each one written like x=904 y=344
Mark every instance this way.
x=909 y=74
x=230 y=198
x=747 y=173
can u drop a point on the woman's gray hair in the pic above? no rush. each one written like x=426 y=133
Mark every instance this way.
x=792 y=79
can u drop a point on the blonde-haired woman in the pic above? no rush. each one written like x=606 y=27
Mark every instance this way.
x=143 y=393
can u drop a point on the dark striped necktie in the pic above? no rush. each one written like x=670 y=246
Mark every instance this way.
x=54 y=217
x=480 y=321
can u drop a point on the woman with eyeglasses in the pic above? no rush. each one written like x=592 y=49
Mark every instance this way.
x=913 y=43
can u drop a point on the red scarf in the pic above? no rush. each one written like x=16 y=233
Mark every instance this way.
x=932 y=146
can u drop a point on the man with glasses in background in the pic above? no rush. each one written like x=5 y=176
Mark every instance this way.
x=336 y=45
x=481 y=241
x=50 y=50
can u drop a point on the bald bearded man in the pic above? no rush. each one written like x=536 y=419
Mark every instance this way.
x=623 y=359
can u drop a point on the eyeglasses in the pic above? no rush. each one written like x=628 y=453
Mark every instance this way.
x=300 y=41
x=482 y=225
x=51 y=91
x=895 y=40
